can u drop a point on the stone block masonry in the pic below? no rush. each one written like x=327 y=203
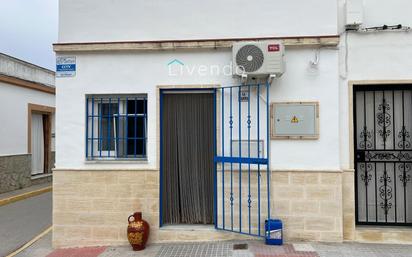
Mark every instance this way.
x=309 y=203
x=91 y=207
x=15 y=172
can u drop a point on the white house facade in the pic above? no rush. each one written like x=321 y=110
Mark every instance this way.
x=27 y=97
x=153 y=120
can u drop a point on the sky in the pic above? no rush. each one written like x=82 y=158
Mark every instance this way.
x=28 y=28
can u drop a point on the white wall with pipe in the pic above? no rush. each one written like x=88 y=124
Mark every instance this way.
x=383 y=55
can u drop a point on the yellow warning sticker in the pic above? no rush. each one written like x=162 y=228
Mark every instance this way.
x=294 y=120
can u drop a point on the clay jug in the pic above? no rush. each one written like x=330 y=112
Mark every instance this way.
x=137 y=231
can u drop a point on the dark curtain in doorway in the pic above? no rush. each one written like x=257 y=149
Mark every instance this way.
x=187 y=158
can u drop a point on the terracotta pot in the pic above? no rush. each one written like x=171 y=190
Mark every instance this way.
x=137 y=231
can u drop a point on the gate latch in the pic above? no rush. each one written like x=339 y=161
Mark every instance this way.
x=360 y=156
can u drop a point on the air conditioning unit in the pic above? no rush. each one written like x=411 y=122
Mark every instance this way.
x=258 y=59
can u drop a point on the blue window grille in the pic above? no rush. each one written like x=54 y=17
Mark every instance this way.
x=116 y=127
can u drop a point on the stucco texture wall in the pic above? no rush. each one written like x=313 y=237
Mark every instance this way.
x=105 y=20
x=14 y=102
x=123 y=73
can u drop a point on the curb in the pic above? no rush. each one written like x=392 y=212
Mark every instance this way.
x=26 y=195
x=26 y=245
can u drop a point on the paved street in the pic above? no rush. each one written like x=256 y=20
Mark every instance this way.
x=21 y=221
x=224 y=249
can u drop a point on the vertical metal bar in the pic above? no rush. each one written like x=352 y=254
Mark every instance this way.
x=109 y=143
x=215 y=163
x=223 y=154
x=376 y=194
x=365 y=140
x=87 y=127
x=384 y=164
x=117 y=127
x=385 y=184
x=374 y=121
x=258 y=153
x=268 y=146
x=404 y=190
x=393 y=122
x=100 y=128
x=161 y=160
x=248 y=153
x=231 y=163
x=403 y=147
x=127 y=128
x=355 y=148
x=394 y=148
x=394 y=183
x=376 y=173
x=143 y=138
x=92 y=152
x=240 y=162
x=145 y=132
x=135 y=126
x=384 y=123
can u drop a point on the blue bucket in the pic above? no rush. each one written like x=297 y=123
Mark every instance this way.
x=274 y=232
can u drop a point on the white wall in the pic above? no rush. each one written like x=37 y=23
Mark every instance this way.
x=131 y=20
x=141 y=72
x=13 y=116
x=300 y=84
x=374 y=56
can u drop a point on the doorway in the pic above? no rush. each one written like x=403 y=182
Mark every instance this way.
x=383 y=154
x=187 y=151
x=37 y=144
x=40 y=138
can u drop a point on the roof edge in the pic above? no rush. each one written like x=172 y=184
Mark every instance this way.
x=27 y=84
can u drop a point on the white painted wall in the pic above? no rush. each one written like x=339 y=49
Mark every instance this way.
x=141 y=72
x=131 y=20
x=14 y=102
x=374 y=56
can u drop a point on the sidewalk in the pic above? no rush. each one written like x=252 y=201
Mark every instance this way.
x=16 y=195
x=224 y=249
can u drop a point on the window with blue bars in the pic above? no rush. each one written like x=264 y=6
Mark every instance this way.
x=116 y=127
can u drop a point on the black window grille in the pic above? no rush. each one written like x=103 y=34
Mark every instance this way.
x=116 y=127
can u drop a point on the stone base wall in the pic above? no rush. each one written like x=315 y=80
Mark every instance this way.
x=91 y=208
x=15 y=172
x=309 y=204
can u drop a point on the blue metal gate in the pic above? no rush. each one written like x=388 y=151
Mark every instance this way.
x=242 y=144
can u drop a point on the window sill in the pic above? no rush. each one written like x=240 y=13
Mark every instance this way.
x=117 y=161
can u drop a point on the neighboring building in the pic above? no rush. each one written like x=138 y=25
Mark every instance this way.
x=27 y=100
x=149 y=117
